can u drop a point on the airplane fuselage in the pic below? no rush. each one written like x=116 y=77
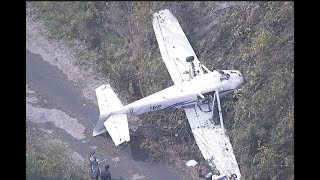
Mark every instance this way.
x=185 y=94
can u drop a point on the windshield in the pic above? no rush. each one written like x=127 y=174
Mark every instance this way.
x=224 y=76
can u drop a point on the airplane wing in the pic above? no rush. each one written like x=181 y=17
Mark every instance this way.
x=174 y=46
x=213 y=143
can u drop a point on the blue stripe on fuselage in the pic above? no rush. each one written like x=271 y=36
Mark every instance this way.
x=180 y=103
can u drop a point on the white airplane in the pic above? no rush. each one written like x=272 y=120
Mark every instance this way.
x=195 y=90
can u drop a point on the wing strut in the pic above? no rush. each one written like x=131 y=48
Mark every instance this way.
x=216 y=96
x=219 y=108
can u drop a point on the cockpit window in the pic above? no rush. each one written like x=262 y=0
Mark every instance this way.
x=224 y=76
x=235 y=72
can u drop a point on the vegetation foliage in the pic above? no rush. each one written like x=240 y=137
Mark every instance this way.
x=253 y=37
x=48 y=158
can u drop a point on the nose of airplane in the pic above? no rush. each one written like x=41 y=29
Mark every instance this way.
x=240 y=80
x=237 y=80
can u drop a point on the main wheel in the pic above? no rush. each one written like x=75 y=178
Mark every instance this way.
x=233 y=175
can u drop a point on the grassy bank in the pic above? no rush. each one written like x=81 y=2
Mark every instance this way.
x=253 y=37
x=48 y=158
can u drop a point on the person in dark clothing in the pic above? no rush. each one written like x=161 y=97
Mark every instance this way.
x=105 y=174
x=200 y=173
x=94 y=166
x=95 y=172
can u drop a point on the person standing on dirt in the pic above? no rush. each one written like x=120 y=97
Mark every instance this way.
x=93 y=158
x=94 y=166
x=200 y=173
x=105 y=174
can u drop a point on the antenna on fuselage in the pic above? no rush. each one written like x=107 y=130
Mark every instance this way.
x=192 y=71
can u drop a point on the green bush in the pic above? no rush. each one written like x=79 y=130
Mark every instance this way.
x=48 y=158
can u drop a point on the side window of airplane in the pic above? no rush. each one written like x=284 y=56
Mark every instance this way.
x=224 y=76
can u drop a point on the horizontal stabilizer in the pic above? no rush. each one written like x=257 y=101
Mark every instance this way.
x=107 y=99
x=117 y=126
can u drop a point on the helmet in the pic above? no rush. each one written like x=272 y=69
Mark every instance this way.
x=107 y=167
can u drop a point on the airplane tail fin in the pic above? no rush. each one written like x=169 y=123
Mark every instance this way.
x=117 y=124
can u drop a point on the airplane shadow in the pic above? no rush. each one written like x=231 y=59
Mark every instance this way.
x=137 y=153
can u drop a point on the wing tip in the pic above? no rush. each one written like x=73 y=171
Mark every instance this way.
x=121 y=141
